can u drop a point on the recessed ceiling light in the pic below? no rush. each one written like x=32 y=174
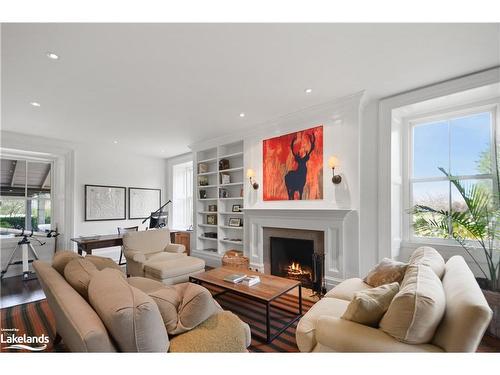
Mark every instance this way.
x=115 y=142
x=35 y=104
x=242 y=114
x=308 y=91
x=162 y=151
x=52 y=56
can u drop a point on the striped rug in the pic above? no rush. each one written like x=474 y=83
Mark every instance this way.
x=36 y=318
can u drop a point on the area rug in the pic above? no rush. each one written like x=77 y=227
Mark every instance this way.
x=36 y=318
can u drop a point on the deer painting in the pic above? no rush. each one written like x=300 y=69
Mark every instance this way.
x=292 y=166
x=295 y=180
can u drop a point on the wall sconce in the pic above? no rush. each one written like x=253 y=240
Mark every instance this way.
x=333 y=162
x=251 y=175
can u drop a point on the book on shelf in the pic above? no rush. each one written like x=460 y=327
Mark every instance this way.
x=235 y=278
x=250 y=280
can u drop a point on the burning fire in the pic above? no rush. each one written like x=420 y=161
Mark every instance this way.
x=296 y=269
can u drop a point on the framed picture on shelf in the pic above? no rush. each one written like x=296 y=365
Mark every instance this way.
x=235 y=222
x=225 y=178
x=105 y=202
x=212 y=219
x=236 y=208
x=223 y=193
x=202 y=168
x=143 y=201
x=203 y=194
x=212 y=207
x=223 y=164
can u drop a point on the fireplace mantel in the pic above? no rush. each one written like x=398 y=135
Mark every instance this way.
x=337 y=225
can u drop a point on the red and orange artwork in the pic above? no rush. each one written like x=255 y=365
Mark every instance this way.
x=293 y=166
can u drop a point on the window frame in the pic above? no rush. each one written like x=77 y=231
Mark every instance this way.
x=188 y=179
x=409 y=123
x=27 y=200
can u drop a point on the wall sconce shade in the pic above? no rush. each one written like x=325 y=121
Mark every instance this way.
x=251 y=175
x=333 y=162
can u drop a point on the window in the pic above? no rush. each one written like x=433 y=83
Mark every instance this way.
x=182 y=193
x=25 y=195
x=461 y=144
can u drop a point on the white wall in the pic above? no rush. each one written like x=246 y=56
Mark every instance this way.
x=109 y=166
x=88 y=164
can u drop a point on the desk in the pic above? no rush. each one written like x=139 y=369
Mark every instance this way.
x=111 y=240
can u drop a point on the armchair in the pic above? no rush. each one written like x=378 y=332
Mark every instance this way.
x=151 y=254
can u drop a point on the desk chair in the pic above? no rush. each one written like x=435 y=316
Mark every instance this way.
x=121 y=231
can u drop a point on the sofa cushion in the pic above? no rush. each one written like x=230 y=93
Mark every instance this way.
x=369 y=306
x=184 y=306
x=103 y=262
x=386 y=272
x=145 y=285
x=346 y=289
x=306 y=328
x=61 y=258
x=222 y=332
x=78 y=273
x=428 y=256
x=417 y=309
x=130 y=315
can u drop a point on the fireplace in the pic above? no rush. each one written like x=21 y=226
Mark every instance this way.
x=297 y=259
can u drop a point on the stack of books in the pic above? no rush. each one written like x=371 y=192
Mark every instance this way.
x=236 y=278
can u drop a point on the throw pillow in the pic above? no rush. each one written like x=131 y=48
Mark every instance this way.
x=62 y=258
x=386 y=272
x=131 y=316
x=369 y=306
x=78 y=273
x=430 y=257
x=184 y=306
x=416 y=311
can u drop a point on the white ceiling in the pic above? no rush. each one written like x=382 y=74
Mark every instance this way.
x=157 y=87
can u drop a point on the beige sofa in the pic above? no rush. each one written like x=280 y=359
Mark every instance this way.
x=150 y=254
x=82 y=330
x=465 y=320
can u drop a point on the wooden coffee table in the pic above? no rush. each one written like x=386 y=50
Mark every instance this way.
x=269 y=289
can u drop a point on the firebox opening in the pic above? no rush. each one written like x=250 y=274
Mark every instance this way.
x=293 y=258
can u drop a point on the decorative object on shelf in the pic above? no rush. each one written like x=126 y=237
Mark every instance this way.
x=333 y=163
x=212 y=219
x=223 y=164
x=293 y=166
x=203 y=194
x=251 y=176
x=236 y=208
x=223 y=193
x=105 y=202
x=225 y=178
x=202 y=168
x=235 y=222
x=212 y=207
x=202 y=180
x=235 y=259
x=210 y=234
x=142 y=201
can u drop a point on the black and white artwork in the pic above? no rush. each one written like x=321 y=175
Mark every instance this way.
x=142 y=202
x=105 y=203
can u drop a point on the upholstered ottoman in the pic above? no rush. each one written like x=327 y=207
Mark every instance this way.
x=174 y=271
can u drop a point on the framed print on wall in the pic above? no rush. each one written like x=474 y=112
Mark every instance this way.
x=105 y=202
x=293 y=166
x=142 y=202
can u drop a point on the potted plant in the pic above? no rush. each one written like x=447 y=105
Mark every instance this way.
x=475 y=228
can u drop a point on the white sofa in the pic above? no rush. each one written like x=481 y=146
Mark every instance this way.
x=465 y=320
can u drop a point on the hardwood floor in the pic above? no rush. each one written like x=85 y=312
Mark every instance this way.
x=14 y=291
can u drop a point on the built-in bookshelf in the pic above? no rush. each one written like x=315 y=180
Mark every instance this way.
x=219 y=179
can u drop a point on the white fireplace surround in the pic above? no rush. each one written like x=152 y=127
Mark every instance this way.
x=339 y=235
